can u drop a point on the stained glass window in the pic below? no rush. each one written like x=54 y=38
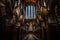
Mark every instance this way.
x=30 y=12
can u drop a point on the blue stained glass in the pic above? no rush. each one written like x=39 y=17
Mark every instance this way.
x=26 y=12
x=30 y=12
x=34 y=13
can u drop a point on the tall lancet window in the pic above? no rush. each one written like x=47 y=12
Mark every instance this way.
x=30 y=12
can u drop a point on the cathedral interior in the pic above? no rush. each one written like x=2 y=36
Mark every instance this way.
x=29 y=19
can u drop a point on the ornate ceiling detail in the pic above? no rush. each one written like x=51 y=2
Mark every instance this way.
x=30 y=1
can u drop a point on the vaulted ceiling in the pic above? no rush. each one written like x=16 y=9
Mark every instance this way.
x=34 y=1
x=30 y=1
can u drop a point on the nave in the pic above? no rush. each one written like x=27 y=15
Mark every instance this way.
x=30 y=19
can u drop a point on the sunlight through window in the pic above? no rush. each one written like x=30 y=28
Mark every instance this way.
x=30 y=12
